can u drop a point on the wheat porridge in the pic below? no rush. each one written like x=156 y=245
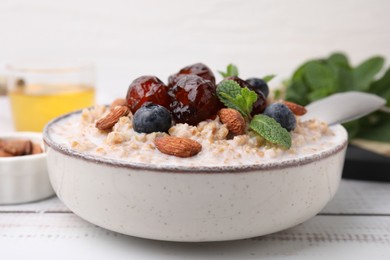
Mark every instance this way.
x=193 y=121
x=78 y=132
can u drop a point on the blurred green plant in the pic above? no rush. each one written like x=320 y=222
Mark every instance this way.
x=318 y=78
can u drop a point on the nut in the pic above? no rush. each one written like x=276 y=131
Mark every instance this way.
x=107 y=122
x=178 y=146
x=4 y=153
x=234 y=121
x=118 y=102
x=36 y=148
x=295 y=108
x=16 y=147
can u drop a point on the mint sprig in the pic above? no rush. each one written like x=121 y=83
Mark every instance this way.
x=268 y=78
x=271 y=130
x=231 y=70
x=233 y=96
x=242 y=100
x=321 y=77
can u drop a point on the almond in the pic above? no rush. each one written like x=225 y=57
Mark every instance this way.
x=295 y=108
x=4 y=153
x=118 y=102
x=234 y=121
x=107 y=122
x=16 y=147
x=28 y=147
x=178 y=146
x=36 y=148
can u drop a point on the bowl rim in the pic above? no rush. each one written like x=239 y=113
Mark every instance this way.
x=184 y=169
x=34 y=136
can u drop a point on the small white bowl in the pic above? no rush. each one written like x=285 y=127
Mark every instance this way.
x=24 y=178
x=180 y=203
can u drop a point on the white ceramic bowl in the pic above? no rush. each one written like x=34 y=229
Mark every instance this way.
x=194 y=203
x=24 y=178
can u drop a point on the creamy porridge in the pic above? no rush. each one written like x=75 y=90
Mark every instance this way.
x=78 y=132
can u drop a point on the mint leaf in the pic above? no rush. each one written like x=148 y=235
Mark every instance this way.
x=339 y=59
x=381 y=87
x=298 y=74
x=231 y=70
x=268 y=78
x=364 y=73
x=352 y=128
x=227 y=92
x=346 y=80
x=277 y=94
x=378 y=131
x=246 y=99
x=320 y=76
x=297 y=92
x=271 y=130
x=233 y=96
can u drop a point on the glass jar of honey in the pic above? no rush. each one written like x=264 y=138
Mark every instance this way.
x=42 y=90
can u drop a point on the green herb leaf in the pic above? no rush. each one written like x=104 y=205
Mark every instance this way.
x=227 y=92
x=345 y=79
x=268 y=78
x=277 y=94
x=318 y=94
x=231 y=70
x=352 y=128
x=298 y=74
x=271 y=130
x=320 y=76
x=297 y=92
x=381 y=87
x=233 y=96
x=375 y=131
x=364 y=73
x=339 y=59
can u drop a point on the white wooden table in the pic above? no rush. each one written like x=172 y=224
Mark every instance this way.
x=354 y=225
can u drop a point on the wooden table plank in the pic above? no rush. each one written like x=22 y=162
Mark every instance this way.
x=52 y=204
x=360 y=197
x=353 y=197
x=322 y=237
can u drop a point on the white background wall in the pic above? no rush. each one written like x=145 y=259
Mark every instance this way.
x=129 y=38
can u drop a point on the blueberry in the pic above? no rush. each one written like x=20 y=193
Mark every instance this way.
x=152 y=118
x=259 y=84
x=282 y=114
